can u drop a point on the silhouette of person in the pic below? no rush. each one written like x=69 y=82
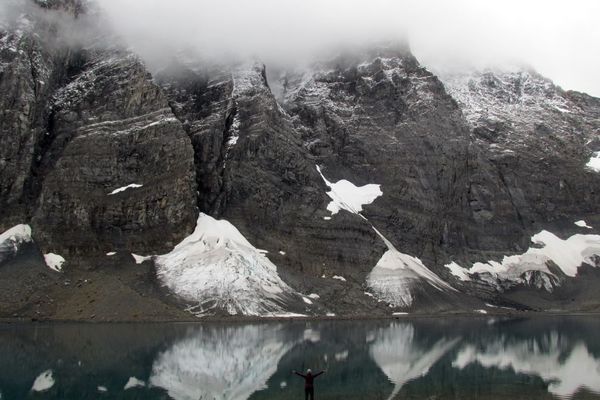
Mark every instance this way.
x=309 y=386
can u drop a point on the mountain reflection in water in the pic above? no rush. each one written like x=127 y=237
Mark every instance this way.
x=546 y=357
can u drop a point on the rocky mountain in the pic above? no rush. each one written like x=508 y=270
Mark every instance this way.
x=359 y=184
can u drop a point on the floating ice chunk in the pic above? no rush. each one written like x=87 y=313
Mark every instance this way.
x=54 y=261
x=581 y=223
x=124 y=188
x=339 y=278
x=594 y=163
x=102 y=389
x=400 y=313
x=283 y=385
x=134 y=382
x=43 y=382
x=346 y=196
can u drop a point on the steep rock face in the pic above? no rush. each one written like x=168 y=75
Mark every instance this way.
x=379 y=117
x=25 y=75
x=80 y=124
x=111 y=128
x=538 y=139
x=256 y=172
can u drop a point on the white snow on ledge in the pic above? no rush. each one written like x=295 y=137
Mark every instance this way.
x=581 y=223
x=11 y=240
x=567 y=254
x=216 y=268
x=396 y=273
x=124 y=188
x=346 y=196
x=54 y=261
x=594 y=163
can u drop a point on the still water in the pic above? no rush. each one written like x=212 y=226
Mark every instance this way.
x=442 y=358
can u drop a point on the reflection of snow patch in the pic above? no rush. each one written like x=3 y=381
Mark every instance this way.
x=341 y=356
x=43 y=382
x=217 y=268
x=312 y=335
x=345 y=196
x=399 y=355
x=140 y=259
x=221 y=363
x=54 y=261
x=566 y=372
x=134 y=382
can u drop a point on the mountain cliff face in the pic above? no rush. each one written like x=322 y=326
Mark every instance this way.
x=359 y=184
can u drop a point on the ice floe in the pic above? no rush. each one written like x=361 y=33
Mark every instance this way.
x=43 y=382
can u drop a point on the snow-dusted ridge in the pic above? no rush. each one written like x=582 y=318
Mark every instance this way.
x=567 y=254
x=124 y=188
x=216 y=268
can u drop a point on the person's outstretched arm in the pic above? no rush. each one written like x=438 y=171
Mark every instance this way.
x=317 y=374
x=299 y=374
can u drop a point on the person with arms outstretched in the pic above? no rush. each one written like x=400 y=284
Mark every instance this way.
x=309 y=385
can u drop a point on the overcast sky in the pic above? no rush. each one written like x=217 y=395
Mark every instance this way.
x=559 y=38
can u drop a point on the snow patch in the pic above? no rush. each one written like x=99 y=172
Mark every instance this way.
x=346 y=196
x=134 y=382
x=124 y=188
x=217 y=268
x=111 y=253
x=307 y=300
x=314 y=296
x=339 y=278
x=581 y=223
x=480 y=311
x=397 y=273
x=567 y=254
x=43 y=382
x=594 y=162
x=12 y=239
x=54 y=261
x=282 y=252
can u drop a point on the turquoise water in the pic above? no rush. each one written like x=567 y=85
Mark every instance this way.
x=434 y=358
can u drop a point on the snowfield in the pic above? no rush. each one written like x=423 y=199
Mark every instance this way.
x=346 y=196
x=217 y=268
x=396 y=274
x=12 y=239
x=567 y=254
